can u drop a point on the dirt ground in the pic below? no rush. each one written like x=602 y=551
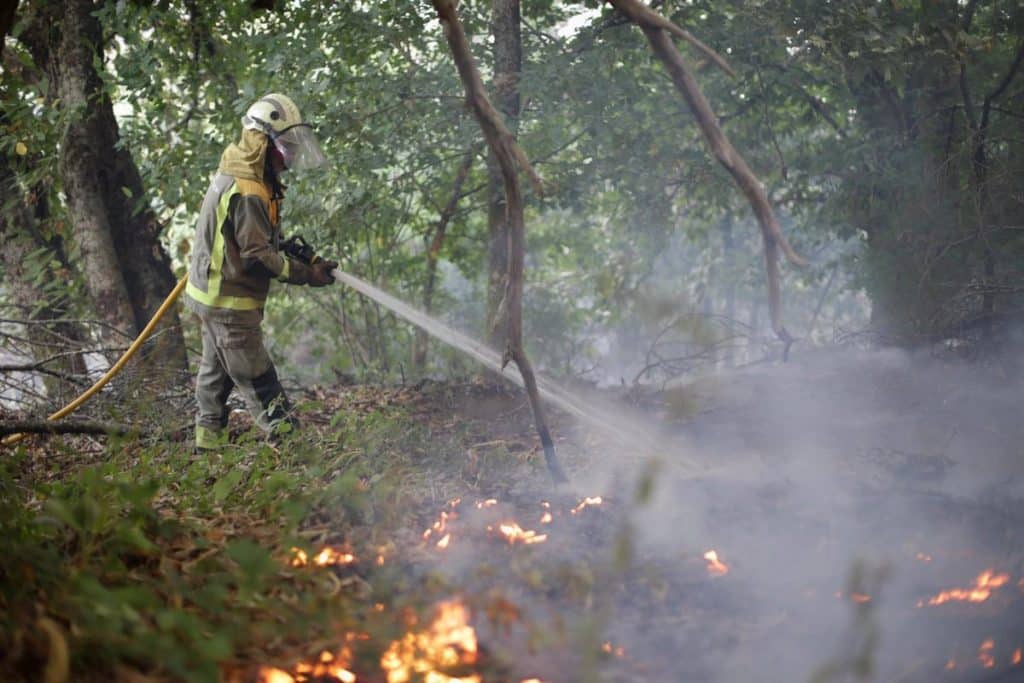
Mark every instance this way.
x=845 y=494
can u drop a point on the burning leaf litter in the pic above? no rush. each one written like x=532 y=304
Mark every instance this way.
x=327 y=665
x=516 y=534
x=985 y=653
x=507 y=529
x=596 y=500
x=449 y=642
x=326 y=557
x=715 y=566
x=984 y=585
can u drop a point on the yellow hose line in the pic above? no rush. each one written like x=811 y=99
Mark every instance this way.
x=116 y=367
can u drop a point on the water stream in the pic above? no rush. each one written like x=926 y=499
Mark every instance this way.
x=634 y=436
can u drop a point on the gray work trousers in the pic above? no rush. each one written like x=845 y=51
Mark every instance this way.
x=234 y=357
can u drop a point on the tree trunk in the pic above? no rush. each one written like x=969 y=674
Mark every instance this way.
x=126 y=269
x=508 y=63
x=509 y=155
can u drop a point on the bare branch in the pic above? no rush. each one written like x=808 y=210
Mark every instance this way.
x=643 y=15
x=722 y=148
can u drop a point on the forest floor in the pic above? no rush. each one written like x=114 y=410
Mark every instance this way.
x=865 y=511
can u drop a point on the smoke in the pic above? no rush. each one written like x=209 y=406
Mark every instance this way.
x=897 y=472
x=840 y=490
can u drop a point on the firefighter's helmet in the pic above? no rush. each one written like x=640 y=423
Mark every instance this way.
x=278 y=117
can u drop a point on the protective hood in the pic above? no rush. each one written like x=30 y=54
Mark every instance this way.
x=245 y=158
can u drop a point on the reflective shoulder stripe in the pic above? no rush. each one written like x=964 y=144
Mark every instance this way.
x=217 y=256
x=286 y=271
x=235 y=303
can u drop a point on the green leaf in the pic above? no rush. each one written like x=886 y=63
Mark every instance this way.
x=226 y=484
x=254 y=561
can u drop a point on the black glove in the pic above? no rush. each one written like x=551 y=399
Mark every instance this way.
x=321 y=273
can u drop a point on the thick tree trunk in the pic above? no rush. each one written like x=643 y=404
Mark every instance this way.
x=509 y=156
x=508 y=63
x=126 y=269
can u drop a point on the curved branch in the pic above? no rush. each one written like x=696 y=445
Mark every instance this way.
x=665 y=50
x=643 y=15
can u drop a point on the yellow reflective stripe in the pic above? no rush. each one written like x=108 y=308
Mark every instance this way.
x=236 y=303
x=286 y=271
x=217 y=251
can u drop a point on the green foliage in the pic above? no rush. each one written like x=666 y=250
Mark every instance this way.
x=137 y=556
x=853 y=115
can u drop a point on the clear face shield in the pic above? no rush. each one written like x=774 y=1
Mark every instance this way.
x=299 y=147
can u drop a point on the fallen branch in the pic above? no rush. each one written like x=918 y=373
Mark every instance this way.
x=47 y=427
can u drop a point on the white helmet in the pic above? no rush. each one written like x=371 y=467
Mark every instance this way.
x=278 y=117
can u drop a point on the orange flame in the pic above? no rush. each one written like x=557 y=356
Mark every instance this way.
x=923 y=557
x=1016 y=658
x=595 y=500
x=516 y=534
x=950 y=664
x=327 y=664
x=609 y=649
x=448 y=642
x=327 y=556
x=985 y=653
x=545 y=518
x=984 y=584
x=715 y=567
x=441 y=525
x=859 y=598
x=445 y=540
x=490 y=502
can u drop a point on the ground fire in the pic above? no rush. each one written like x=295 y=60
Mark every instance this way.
x=448 y=643
x=326 y=557
x=715 y=566
x=984 y=585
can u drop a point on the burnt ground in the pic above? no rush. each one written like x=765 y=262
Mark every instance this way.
x=840 y=491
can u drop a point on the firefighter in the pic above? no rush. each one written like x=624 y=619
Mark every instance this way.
x=235 y=255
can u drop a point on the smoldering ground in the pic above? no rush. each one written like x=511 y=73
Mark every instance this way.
x=845 y=493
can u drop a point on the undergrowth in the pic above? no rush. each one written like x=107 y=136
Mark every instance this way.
x=150 y=562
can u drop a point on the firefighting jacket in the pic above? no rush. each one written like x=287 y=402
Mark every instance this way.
x=235 y=253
